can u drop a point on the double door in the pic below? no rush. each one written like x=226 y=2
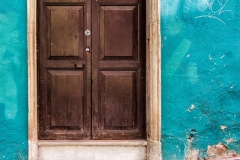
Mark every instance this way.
x=91 y=69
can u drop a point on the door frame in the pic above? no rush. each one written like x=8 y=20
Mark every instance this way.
x=153 y=80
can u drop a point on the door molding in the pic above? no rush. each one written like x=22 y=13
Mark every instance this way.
x=153 y=80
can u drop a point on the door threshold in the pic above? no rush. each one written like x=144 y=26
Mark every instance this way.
x=46 y=143
x=92 y=149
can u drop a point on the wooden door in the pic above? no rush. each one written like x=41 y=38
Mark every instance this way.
x=64 y=69
x=91 y=69
x=118 y=51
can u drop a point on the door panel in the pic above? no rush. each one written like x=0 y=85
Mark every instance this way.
x=119 y=103
x=118 y=32
x=66 y=99
x=64 y=69
x=65 y=26
x=118 y=88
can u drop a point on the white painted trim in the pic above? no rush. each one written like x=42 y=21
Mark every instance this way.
x=153 y=81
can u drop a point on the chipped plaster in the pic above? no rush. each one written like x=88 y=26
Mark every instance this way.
x=200 y=76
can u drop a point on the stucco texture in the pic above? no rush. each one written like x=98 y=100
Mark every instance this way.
x=13 y=80
x=200 y=76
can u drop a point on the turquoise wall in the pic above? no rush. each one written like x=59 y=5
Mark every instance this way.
x=13 y=79
x=200 y=75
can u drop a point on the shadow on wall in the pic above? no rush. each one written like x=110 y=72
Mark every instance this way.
x=200 y=77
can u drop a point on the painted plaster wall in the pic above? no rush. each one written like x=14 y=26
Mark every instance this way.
x=200 y=76
x=13 y=80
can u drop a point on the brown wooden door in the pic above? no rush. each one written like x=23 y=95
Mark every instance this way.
x=118 y=87
x=64 y=69
x=95 y=94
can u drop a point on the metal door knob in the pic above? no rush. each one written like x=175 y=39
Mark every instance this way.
x=87 y=49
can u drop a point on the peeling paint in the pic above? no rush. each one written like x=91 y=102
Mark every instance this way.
x=217 y=150
x=191 y=108
x=192 y=155
x=229 y=140
x=200 y=77
x=223 y=127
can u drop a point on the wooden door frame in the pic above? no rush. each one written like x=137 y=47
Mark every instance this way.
x=153 y=80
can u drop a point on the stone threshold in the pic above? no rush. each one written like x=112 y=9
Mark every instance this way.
x=49 y=143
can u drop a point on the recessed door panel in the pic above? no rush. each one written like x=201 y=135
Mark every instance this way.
x=66 y=100
x=119 y=99
x=66 y=28
x=118 y=32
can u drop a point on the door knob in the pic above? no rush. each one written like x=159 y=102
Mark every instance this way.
x=87 y=32
x=87 y=49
